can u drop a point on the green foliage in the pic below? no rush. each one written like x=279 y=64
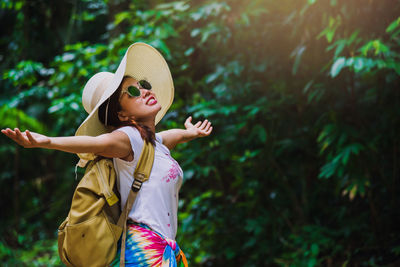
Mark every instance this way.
x=17 y=118
x=308 y=247
x=41 y=253
x=301 y=168
x=329 y=31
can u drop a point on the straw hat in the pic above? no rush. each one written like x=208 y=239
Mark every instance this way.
x=142 y=62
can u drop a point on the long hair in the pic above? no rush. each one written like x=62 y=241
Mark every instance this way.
x=112 y=116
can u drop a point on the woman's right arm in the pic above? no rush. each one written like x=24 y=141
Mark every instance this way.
x=113 y=145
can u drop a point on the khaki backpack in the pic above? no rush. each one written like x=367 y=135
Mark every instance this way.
x=90 y=233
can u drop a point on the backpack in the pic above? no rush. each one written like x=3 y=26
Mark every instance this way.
x=90 y=233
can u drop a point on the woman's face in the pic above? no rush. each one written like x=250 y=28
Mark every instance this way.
x=141 y=108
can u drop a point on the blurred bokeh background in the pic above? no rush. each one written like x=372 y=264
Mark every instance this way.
x=302 y=167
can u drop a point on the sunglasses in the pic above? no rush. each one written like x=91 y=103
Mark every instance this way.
x=134 y=91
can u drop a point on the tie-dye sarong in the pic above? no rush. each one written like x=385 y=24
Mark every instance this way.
x=146 y=247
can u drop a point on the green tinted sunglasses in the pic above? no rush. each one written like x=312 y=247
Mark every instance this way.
x=133 y=91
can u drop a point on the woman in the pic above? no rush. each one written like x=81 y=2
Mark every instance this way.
x=124 y=108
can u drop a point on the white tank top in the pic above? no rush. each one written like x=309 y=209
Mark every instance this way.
x=157 y=201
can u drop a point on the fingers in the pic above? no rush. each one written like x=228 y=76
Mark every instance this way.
x=30 y=137
x=204 y=128
x=208 y=132
x=21 y=139
x=208 y=125
x=207 y=129
x=12 y=134
x=24 y=139
x=18 y=133
x=9 y=133
x=188 y=122
x=203 y=125
x=189 y=119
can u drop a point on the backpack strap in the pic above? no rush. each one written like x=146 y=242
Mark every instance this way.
x=141 y=175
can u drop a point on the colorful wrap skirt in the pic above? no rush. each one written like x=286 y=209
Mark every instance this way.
x=146 y=247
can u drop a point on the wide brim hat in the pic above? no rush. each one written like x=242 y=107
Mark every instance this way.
x=142 y=62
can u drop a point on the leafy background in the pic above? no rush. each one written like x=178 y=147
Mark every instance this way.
x=302 y=167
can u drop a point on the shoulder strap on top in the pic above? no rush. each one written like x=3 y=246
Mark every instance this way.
x=141 y=174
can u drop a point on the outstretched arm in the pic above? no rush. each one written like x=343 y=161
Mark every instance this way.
x=176 y=136
x=115 y=144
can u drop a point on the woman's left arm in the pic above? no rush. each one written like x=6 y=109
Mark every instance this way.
x=171 y=138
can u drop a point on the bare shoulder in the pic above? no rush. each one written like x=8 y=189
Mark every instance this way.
x=116 y=145
x=114 y=137
x=119 y=135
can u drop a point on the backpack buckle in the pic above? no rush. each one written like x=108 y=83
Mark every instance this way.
x=137 y=183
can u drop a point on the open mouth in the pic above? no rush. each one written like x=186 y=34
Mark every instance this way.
x=151 y=101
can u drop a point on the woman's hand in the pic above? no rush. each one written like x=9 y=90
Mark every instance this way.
x=200 y=129
x=27 y=139
x=171 y=138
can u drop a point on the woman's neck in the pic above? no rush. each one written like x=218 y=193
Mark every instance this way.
x=150 y=124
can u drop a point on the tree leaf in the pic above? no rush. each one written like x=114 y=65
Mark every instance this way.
x=393 y=25
x=338 y=66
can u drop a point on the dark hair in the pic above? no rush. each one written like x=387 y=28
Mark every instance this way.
x=112 y=115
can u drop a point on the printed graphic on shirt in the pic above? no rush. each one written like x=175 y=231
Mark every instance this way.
x=173 y=172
